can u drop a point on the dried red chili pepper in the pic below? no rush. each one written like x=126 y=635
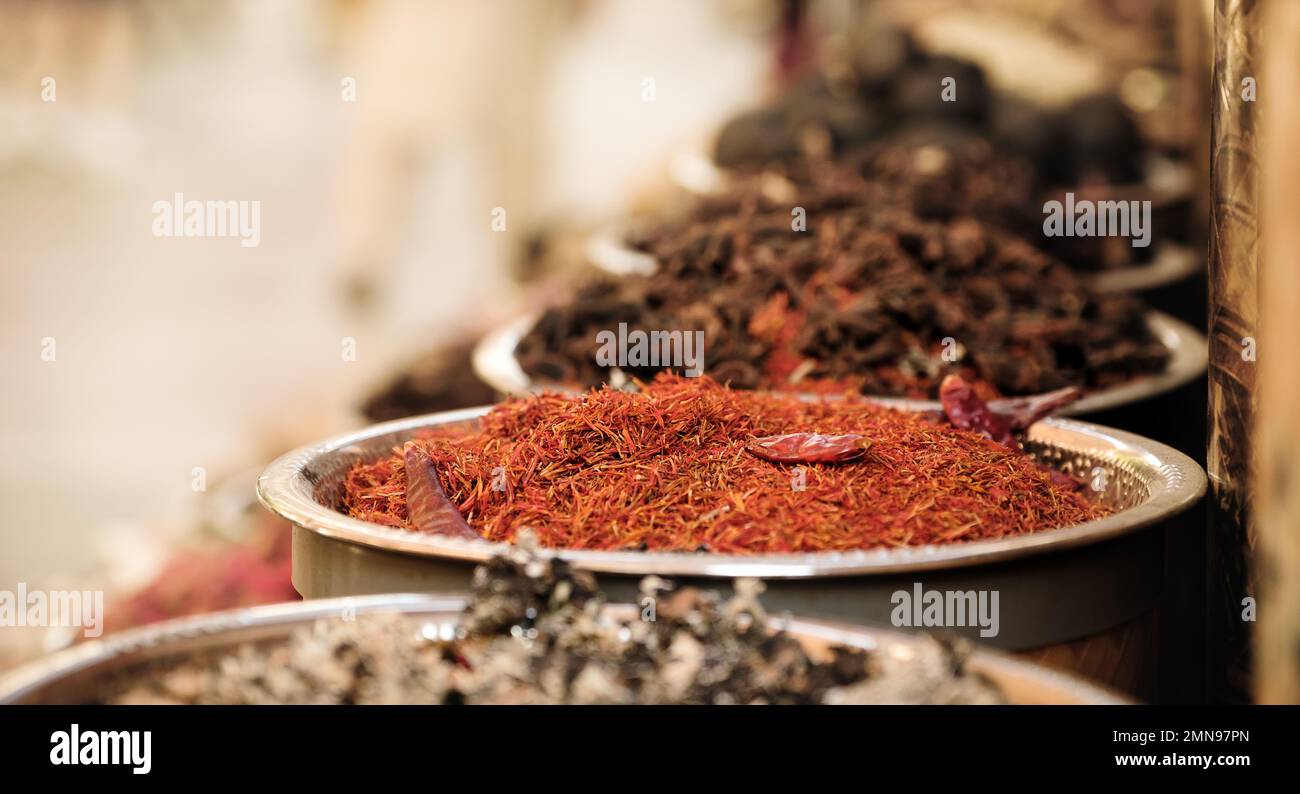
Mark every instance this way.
x=999 y=420
x=966 y=410
x=1022 y=412
x=809 y=448
x=427 y=504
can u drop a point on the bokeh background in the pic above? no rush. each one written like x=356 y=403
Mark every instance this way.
x=179 y=358
x=176 y=353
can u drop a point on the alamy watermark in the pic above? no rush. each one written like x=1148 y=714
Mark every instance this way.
x=682 y=350
x=1087 y=218
x=921 y=608
x=82 y=609
x=193 y=218
x=92 y=748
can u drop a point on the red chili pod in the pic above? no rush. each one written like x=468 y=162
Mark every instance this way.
x=427 y=505
x=1022 y=412
x=966 y=410
x=999 y=420
x=809 y=448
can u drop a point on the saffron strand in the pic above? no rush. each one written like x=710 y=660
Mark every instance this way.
x=681 y=465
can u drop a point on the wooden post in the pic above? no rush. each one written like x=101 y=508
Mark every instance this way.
x=1232 y=325
x=1277 y=435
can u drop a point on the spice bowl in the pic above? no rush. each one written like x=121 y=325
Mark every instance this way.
x=1083 y=596
x=495 y=363
x=79 y=674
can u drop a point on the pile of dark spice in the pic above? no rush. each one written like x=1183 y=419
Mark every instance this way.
x=966 y=178
x=681 y=465
x=888 y=93
x=883 y=97
x=869 y=296
x=961 y=178
x=536 y=633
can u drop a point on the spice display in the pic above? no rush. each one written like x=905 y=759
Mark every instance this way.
x=993 y=156
x=877 y=299
x=673 y=467
x=536 y=633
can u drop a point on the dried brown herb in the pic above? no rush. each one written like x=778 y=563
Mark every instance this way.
x=534 y=632
x=868 y=296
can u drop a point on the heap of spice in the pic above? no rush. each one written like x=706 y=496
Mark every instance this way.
x=536 y=633
x=888 y=92
x=867 y=297
x=967 y=178
x=686 y=464
x=953 y=179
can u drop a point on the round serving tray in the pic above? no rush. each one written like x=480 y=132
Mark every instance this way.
x=1147 y=480
x=1093 y=586
x=70 y=676
x=495 y=363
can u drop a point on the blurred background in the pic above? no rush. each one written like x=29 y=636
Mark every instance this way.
x=182 y=353
x=147 y=380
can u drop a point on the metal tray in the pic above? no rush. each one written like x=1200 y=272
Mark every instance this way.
x=1112 y=573
x=1147 y=481
x=71 y=675
x=1165 y=180
x=495 y=363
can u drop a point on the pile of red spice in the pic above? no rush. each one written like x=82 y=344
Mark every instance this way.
x=666 y=468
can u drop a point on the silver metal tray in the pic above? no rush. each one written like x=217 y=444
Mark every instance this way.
x=495 y=363
x=1112 y=573
x=1172 y=263
x=1146 y=480
x=1165 y=180
x=71 y=676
